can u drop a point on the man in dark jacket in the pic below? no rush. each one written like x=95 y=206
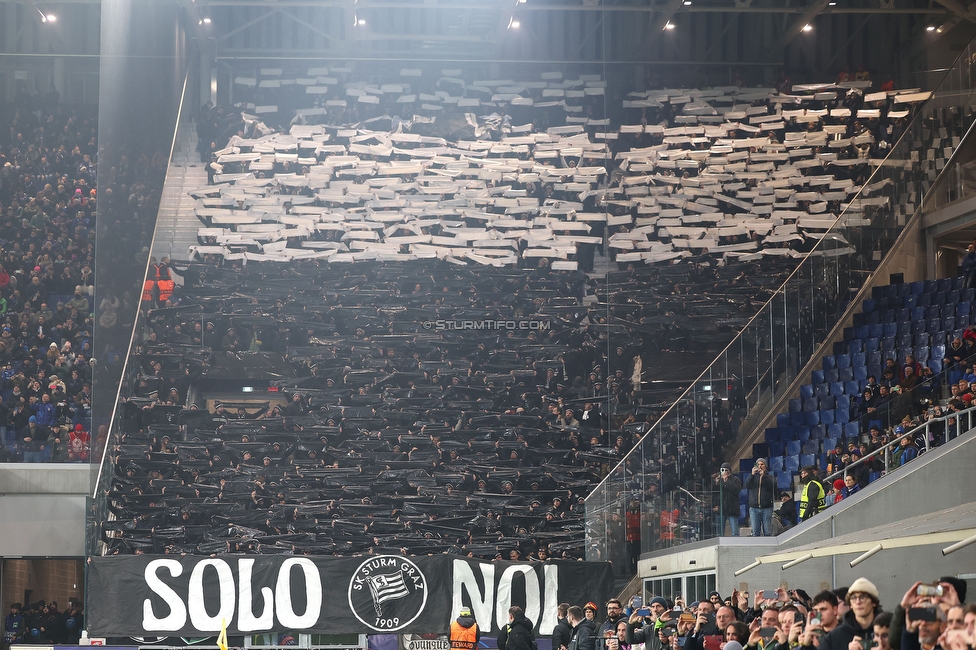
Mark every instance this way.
x=464 y=631
x=615 y=613
x=727 y=500
x=518 y=634
x=762 y=491
x=862 y=597
x=563 y=632
x=584 y=630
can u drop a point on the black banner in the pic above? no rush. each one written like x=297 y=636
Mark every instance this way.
x=143 y=595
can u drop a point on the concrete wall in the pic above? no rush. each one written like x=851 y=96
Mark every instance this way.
x=940 y=479
x=42 y=510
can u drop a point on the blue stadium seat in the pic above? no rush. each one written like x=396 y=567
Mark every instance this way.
x=888 y=343
x=933 y=311
x=948 y=323
x=918 y=287
x=807 y=459
x=922 y=353
x=833 y=431
x=952 y=296
x=836 y=388
x=818 y=431
x=967 y=295
x=933 y=325
x=903 y=315
x=938 y=351
x=831 y=375
x=924 y=300
x=877 y=292
x=909 y=302
x=845 y=374
x=854 y=347
x=782 y=420
x=784 y=480
x=746 y=464
x=849 y=334
x=840 y=347
x=918 y=328
x=957 y=282
x=827 y=402
x=803 y=433
x=935 y=365
x=921 y=338
x=829 y=443
x=905 y=340
x=806 y=391
x=860 y=374
x=953 y=376
x=843 y=361
x=791 y=463
x=963 y=308
x=797 y=418
x=890 y=330
x=853 y=388
x=810 y=446
x=776 y=463
x=858 y=359
x=773 y=434
x=795 y=405
x=868 y=305
x=918 y=313
x=905 y=327
x=821 y=390
x=744 y=496
x=826 y=416
x=842 y=413
x=875 y=331
x=812 y=417
x=776 y=448
x=816 y=377
x=851 y=430
x=872 y=344
x=829 y=362
x=903 y=289
x=964 y=321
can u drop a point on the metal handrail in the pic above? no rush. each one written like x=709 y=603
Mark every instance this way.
x=945 y=418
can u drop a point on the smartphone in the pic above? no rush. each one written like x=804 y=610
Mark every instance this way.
x=712 y=641
x=681 y=641
x=687 y=617
x=798 y=618
x=643 y=612
x=767 y=632
x=770 y=594
x=636 y=602
x=926 y=614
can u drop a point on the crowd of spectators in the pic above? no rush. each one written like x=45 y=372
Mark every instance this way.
x=42 y=623
x=47 y=207
x=927 y=617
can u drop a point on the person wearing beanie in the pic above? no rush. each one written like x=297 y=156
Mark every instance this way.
x=644 y=630
x=727 y=498
x=762 y=492
x=584 y=629
x=813 y=497
x=464 y=631
x=862 y=597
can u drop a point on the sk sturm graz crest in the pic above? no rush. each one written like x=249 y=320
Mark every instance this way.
x=387 y=593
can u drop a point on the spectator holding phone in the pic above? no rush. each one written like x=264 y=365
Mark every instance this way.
x=762 y=492
x=856 y=629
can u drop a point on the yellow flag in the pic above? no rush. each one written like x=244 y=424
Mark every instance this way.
x=222 y=639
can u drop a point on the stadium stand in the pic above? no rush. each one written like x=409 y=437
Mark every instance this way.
x=48 y=200
x=396 y=232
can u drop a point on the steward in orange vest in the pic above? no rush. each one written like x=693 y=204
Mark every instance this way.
x=464 y=632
